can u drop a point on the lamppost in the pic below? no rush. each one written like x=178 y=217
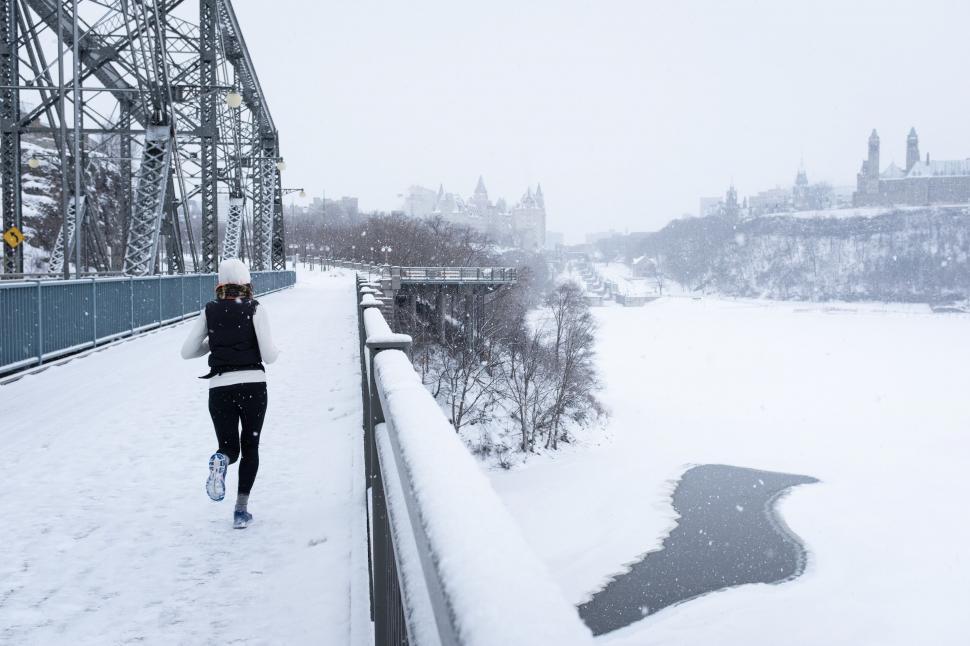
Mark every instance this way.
x=386 y=249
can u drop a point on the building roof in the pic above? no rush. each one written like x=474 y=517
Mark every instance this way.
x=892 y=172
x=942 y=168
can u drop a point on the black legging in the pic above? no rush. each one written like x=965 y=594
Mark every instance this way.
x=228 y=405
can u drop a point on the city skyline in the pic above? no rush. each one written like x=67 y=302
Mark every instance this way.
x=626 y=112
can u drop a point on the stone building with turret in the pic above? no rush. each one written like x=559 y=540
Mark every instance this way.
x=920 y=183
x=523 y=225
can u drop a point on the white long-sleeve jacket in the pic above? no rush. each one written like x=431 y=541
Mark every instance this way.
x=197 y=345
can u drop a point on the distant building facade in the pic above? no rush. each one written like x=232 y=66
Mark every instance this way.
x=920 y=183
x=523 y=225
x=800 y=196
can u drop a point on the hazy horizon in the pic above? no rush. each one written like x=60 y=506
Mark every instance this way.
x=627 y=113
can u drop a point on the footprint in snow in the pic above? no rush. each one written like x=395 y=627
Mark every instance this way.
x=316 y=541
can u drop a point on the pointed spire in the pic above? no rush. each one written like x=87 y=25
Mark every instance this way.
x=912 y=149
x=874 y=136
x=540 y=200
x=441 y=191
x=480 y=188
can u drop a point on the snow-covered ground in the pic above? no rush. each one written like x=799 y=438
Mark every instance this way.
x=106 y=533
x=870 y=399
x=862 y=211
x=626 y=282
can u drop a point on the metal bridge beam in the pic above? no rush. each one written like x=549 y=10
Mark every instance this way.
x=231 y=246
x=208 y=131
x=13 y=259
x=264 y=203
x=279 y=236
x=146 y=217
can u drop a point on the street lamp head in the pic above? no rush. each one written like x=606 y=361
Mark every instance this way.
x=33 y=162
x=234 y=99
x=302 y=193
x=281 y=165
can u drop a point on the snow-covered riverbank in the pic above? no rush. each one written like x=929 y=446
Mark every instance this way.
x=869 y=399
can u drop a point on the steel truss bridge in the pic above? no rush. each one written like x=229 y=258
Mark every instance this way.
x=165 y=94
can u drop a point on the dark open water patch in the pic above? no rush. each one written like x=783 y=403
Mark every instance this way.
x=729 y=533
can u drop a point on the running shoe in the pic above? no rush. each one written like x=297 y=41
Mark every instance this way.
x=240 y=519
x=215 y=486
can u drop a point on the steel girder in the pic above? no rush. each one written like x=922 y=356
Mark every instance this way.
x=234 y=222
x=13 y=259
x=66 y=237
x=279 y=239
x=208 y=134
x=146 y=216
x=263 y=201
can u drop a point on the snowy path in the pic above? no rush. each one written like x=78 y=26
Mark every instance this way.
x=106 y=534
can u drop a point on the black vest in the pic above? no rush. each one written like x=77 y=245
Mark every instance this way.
x=232 y=336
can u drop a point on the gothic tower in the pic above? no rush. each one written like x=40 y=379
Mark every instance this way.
x=872 y=166
x=480 y=188
x=479 y=199
x=912 y=149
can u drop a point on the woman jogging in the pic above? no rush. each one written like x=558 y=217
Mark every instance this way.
x=234 y=331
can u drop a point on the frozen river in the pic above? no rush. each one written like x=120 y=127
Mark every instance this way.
x=728 y=533
x=868 y=399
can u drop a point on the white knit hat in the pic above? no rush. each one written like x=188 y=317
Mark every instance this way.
x=232 y=271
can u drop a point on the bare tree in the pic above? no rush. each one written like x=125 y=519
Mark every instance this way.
x=572 y=372
x=522 y=381
x=467 y=385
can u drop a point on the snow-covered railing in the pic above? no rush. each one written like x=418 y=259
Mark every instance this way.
x=45 y=319
x=449 y=566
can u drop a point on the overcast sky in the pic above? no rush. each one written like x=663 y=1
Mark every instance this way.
x=627 y=112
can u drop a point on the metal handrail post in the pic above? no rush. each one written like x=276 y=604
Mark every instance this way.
x=388 y=609
x=365 y=414
x=40 y=323
x=94 y=308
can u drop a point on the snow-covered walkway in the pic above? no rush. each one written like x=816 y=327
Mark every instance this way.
x=106 y=534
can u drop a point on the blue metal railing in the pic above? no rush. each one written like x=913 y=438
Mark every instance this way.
x=42 y=320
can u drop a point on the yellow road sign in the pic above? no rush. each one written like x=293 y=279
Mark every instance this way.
x=13 y=237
